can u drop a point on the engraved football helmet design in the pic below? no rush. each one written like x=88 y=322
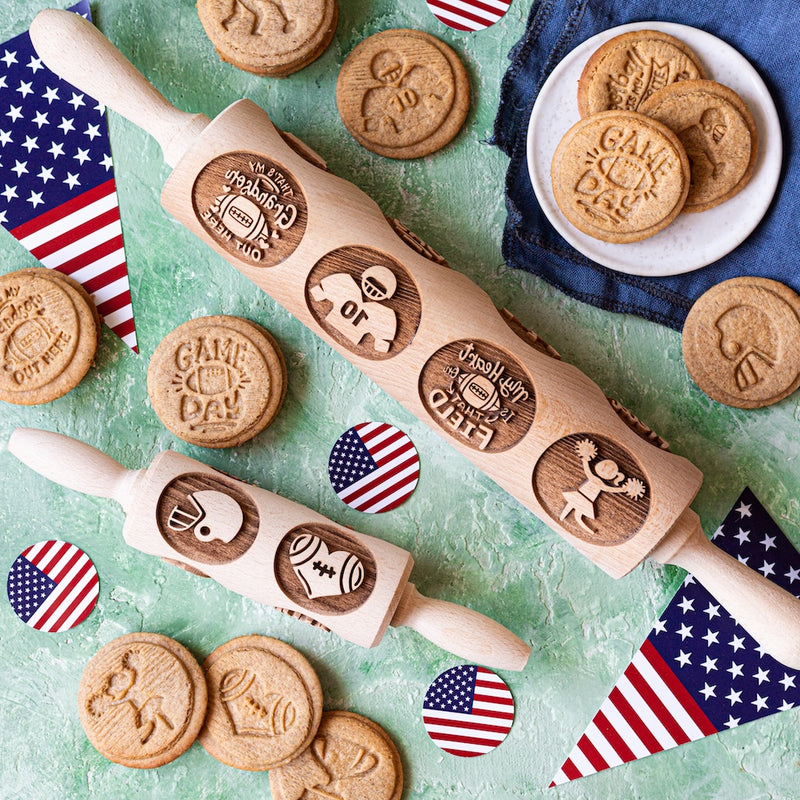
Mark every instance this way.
x=209 y=515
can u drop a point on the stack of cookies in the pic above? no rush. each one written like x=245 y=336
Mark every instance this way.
x=255 y=704
x=656 y=138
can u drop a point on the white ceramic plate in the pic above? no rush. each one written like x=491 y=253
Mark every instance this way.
x=693 y=240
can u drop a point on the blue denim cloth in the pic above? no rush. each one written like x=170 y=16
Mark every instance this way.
x=767 y=33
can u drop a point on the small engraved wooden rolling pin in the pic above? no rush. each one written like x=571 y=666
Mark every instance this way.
x=268 y=548
x=425 y=333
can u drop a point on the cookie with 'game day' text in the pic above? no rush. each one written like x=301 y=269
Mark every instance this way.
x=620 y=176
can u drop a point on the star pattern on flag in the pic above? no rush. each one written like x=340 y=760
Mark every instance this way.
x=349 y=460
x=57 y=189
x=28 y=587
x=698 y=672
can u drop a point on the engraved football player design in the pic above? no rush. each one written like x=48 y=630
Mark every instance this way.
x=406 y=98
x=358 y=310
x=258 y=10
x=747 y=338
x=702 y=142
x=210 y=515
x=605 y=476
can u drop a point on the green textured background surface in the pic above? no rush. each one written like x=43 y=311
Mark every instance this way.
x=473 y=544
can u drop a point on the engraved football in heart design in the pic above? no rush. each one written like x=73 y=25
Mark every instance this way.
x=324 y=573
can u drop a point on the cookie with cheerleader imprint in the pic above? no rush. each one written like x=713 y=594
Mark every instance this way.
x=217 y=381
x=142 y=700
x=620 y=176
x=49 y=335
x=269 y=37
x=351 y=757
x=718 y=133
x=403 y=93
x=264 y=703
x=627 y=69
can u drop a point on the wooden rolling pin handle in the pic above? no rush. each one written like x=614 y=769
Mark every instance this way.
x=88 y=60
x=461 y=631
x=73 y=464
x=770 y=614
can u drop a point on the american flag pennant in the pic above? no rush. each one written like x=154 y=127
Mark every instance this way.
x=468 y=15
x=468 y=710
x=698 y=672
x=373 y=467
x=52 y=586
x=58 y=195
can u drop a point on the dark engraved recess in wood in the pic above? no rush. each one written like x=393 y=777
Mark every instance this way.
x=315 y=559
x=250 y=206
x=479 y=394
x=365 y=300
x=199 y=528
x=593 y=488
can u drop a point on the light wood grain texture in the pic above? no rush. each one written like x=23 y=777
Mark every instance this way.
x=509 y=407
x=268 y=548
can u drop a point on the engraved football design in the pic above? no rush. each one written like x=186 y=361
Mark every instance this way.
x=29 y=340
x=211 y=379
x=479 y=392
x=324 y=573
x=252 y=712
x=242 y=217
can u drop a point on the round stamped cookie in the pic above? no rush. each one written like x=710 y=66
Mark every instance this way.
x=718 y=133
x=351 y=757
x=620 y=176
x=49 y=334
x=402 y=93
x=264 y=703
x=142 y=700
x=741 y=342
x=269 y=37
x=627 y=69
x=217 y=381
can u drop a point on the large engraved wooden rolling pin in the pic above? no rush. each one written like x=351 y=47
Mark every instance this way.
x=425 y=333
x=268 y=548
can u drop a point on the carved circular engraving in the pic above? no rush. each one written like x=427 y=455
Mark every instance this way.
x=207 y=518
x=142 y=700
x=251 y=207
x=593 y=488
x=323 y=569
x=365 y=300
x=741 y=342
x=479 y=394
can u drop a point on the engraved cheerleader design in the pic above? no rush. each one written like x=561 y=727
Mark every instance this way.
x=603 y=476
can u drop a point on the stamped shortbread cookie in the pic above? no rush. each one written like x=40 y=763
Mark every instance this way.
x=217 y=381
x=49 y=334
x=627 y=69
x=620 y=176
x=403 y=93
x=269 y=37
x=264 y=703
x=351 y=757
x=142 y=700
x=718 y=133
x=741 y=342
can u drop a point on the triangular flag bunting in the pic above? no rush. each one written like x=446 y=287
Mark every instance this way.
x=58 y=195
x=698 y=672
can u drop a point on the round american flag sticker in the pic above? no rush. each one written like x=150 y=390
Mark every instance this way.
x=468 y=15
x=52 y=586
x=373 y=467
x=468 y=710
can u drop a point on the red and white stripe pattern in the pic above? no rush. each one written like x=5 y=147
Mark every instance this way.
x=53 y=586
x=468 y=15
x=468 y=710
x=649 y=710
x=82 y=238
x=373 y=467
